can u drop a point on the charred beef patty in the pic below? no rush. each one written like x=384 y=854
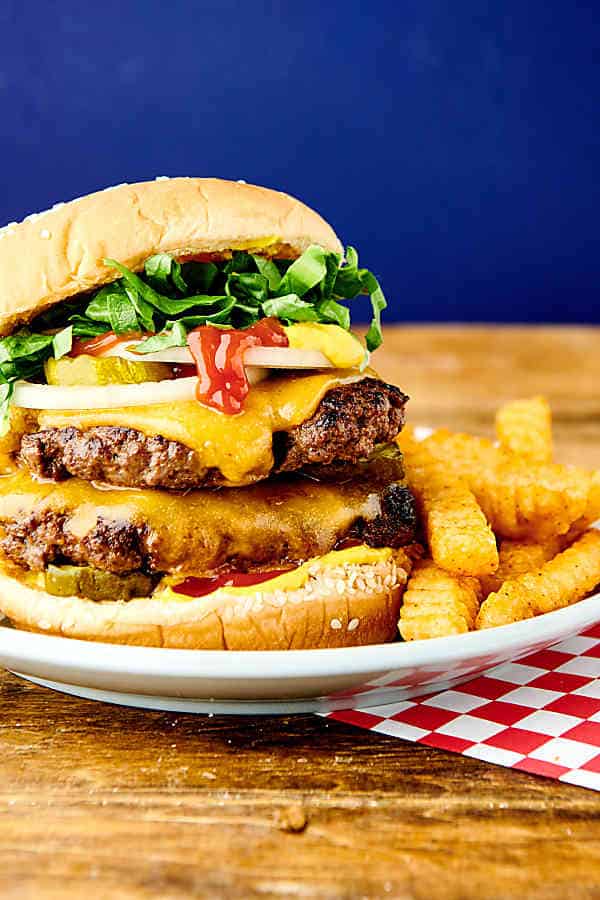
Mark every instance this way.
x=348 y=423
x=281 y=521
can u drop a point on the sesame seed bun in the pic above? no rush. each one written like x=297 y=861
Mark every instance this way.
x=345 y=606
x=58 y=253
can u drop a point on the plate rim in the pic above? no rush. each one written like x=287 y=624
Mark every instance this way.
x=261 y=665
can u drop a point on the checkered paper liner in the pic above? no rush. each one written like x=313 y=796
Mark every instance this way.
x=540 y=714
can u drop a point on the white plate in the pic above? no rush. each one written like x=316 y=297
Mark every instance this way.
x=224 y=681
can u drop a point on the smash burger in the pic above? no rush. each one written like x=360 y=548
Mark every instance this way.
x=195 y=452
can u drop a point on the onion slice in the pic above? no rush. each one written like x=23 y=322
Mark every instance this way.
x=111 y=396
x=267 y=357
x=286 y=358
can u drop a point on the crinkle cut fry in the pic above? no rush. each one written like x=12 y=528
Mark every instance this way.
x=592 y=511
x=520 y=499
x=524 y=427
x=438 y=604
x=459 y=537
x=565 y=579
x=518 y=557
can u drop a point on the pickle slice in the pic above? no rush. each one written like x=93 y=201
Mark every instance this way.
x=85 y=581
x=98 y=370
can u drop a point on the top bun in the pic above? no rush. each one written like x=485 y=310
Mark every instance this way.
x=56 y=254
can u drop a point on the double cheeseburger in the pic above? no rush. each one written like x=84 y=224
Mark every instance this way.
x=195 y=450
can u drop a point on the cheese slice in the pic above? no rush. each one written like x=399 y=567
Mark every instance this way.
x=240 y=446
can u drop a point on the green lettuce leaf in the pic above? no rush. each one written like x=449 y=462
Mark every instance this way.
x=6 y=392
x=269 y=270
x=62 y=342
x=23 y=345
x=164 y=271
x=175 y=337
x=291 y=308
x=305 y=272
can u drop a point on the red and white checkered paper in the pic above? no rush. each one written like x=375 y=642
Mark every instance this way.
x=540 y=714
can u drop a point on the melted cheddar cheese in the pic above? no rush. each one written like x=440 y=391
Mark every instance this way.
x=240 y=446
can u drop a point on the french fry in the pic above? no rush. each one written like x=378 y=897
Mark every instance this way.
x=517 y=558
x=524 y=427
x=460 y=539
x=592 y=511
x=567 y=578
x=438 y=604
x=520 y=500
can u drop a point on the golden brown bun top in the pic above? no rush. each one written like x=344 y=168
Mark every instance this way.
x=56 y=254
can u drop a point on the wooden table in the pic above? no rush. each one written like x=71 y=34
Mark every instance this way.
x=102 y=802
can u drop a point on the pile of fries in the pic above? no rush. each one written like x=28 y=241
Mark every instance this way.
x=506 y=531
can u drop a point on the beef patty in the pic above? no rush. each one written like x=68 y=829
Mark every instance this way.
x=348 y=423
x=284 y=520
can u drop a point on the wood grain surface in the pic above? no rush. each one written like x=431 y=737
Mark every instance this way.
x=102 y=802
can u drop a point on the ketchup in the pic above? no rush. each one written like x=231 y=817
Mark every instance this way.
x=199 y=257
x=219 y=358
x=97 y=345
x=200 y=587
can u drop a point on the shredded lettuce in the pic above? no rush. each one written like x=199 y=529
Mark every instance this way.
x=169 y=298
x=62 y=342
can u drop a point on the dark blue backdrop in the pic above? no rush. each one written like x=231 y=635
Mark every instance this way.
x=455 y=143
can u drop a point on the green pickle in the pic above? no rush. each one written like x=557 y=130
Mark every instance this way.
x=99 y=370
x=85 y=581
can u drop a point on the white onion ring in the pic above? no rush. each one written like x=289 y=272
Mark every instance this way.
x=111 y=396
x=267 y=357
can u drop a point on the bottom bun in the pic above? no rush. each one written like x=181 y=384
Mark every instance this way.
x=345 y=606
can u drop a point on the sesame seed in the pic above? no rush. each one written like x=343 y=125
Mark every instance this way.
x=353 y=624
x=45 y=234
x=335 y=624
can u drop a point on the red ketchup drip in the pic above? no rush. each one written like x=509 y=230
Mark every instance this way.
x=219 y=358
x=200 y=587
x=97 y=345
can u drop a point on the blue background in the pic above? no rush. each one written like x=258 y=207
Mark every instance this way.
x=456 y=144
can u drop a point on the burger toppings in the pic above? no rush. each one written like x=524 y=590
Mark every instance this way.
x=200 y=587
x=349 y=422
x=95 y=584
x=97 y=346
x=219 y=357
x=170 y=300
